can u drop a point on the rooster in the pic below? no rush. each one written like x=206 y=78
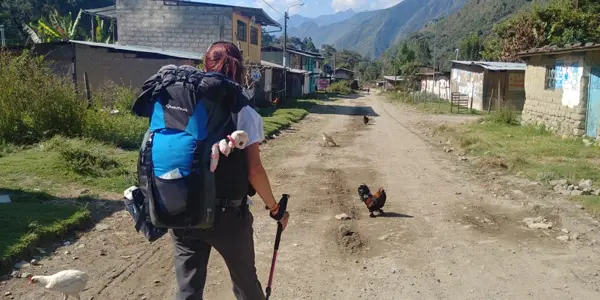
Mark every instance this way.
x=70 y=282
x=365 y=120
x=328 y=140
x=373 y=202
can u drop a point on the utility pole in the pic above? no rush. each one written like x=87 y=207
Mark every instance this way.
x=434 y=53
x=285 y=17
x=2 y=38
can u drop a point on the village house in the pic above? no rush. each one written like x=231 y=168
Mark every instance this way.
x=188 y=26
x=489 y=83
x=392 y=82
x=95 y=65
x=563 y=88
x=270 y=85
x=297 y=59
x=343 y=74
x=434 y=82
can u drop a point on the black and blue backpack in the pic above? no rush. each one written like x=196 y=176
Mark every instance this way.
x=189 y=111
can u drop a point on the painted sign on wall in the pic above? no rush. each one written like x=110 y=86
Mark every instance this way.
x=568 y=73
x=323 y=83
x=516 y=81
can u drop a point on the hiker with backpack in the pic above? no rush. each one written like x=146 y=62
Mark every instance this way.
x=190 y=111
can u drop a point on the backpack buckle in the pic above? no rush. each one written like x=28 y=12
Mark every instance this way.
x=224 y=204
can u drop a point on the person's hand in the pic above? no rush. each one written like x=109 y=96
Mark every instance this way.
x=284 y=220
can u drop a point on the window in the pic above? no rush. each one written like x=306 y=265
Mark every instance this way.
x=253 y=36
x=550 y=78
x=242 y=33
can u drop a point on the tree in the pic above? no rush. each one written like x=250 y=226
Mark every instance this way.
x=560 y=23
x=268 y=39
x=492 y=48
x=470 y=47
x=328 y=51
x=54 y=28
x=405 y=56
x=423 y=52
x=308 y=45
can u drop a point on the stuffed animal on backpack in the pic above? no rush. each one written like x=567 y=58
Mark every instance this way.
x=238 y=139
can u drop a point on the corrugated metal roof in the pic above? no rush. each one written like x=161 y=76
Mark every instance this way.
x=171 y=53
x=394 y=78
x=292 y=50
x=109 y=11
x=260 y=15
x=277 y=66
x=494 y=65
x=576 y=47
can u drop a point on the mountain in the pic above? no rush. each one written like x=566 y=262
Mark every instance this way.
x=372 y=32
x=478 y=16
x=297 y=23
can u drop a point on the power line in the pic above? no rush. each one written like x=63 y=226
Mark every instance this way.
x=273 y=8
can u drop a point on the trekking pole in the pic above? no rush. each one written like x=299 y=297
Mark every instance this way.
x=282 y=210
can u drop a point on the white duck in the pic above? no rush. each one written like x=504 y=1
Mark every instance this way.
x=69 y=282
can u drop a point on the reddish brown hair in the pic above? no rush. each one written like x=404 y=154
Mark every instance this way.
x=225 y=58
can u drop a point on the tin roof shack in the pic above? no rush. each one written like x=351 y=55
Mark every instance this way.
x=103 y=63
x=274 y=84
x=393 y=82
x=489 y=82
x=297 y=59
x=563 y=88
x=343 y=74
x=434 y=83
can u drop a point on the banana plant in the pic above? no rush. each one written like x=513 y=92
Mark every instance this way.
x=54 y=28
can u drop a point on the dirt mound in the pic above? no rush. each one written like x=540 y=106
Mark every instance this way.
x=349 y=240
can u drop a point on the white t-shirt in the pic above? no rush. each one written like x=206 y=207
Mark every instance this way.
x=248 y=120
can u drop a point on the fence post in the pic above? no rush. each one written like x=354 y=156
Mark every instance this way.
x=88 y=93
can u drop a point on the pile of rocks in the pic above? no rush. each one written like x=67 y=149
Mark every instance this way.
x=584 y=187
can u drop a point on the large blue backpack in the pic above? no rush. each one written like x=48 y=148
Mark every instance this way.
x=189 y=111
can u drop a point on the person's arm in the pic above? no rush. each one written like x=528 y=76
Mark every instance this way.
x=260 y=182
x=258 y=176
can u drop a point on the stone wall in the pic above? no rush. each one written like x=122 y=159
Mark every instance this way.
x=560 y=113
x=187 y=28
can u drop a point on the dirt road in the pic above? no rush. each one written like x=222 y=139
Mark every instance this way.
x=446 y=235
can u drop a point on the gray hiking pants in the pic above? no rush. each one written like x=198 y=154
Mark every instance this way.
x=232 y=238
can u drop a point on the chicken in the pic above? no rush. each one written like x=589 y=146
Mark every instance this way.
x=328 y=140
x=365 y=119
x=373 y=202
x=69 y=282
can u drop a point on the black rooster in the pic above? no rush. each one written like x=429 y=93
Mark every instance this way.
x=365 y=119
x=373 y=202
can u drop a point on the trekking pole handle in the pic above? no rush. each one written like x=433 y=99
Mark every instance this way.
x=282 y=208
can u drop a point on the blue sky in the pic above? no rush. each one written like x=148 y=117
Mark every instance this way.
x=311 y=8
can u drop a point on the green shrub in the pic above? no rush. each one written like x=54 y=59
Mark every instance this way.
x=340 y=87
x=86 y=161
x=122 y=130
x=113 y=96
x=505 y=114
x=34 y=103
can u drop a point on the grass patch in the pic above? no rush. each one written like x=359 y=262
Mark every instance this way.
x=343 y=87
x=426 y=103
x=31 y=220
x=529 y=151
x=286 y=115
x=65 y=161
x=591 y=203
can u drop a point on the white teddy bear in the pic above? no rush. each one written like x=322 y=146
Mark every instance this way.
x=238 y=139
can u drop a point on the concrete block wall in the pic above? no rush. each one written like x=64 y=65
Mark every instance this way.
x=152 y=23
x=544 y=107
x=123 y=68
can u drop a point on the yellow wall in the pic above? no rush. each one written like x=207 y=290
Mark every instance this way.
x=247 y=47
